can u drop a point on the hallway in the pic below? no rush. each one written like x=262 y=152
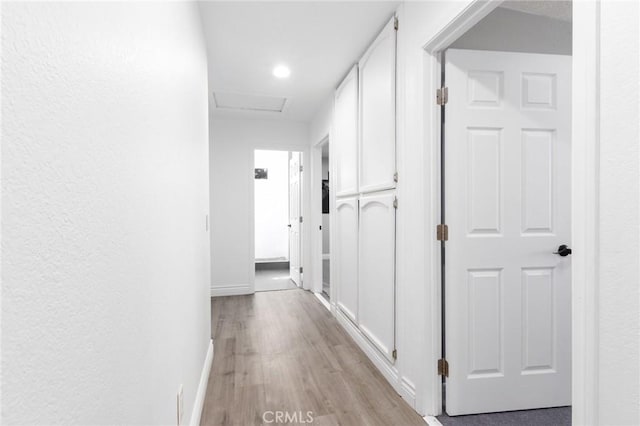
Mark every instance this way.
x=283 y=351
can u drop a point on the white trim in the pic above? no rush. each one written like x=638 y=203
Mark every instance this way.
x=231 y=290
x=316 y=215
x=431 y=400
x=432 y=421
x=389 y=371
x=407 y=391
x=322 y=300
x=198 y=404
x=584 y=211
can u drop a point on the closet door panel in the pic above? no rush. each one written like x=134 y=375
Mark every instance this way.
x=346 y=135
x=378 y=113
x=376 y=290
x=346 y=256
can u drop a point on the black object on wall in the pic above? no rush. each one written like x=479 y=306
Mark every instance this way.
x=262 y=173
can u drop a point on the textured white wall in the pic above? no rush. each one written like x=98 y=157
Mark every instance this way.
x=105 y=256
x=233 y=142
x=619 y=215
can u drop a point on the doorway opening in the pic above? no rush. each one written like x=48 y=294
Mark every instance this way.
x=505 y=172
x=278 y=220
x=326 y=223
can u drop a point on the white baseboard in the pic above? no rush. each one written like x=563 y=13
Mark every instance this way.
x=198 y=404
x=386 y=368
x=322 y=300
x=408 y=391
x=231 y=290
x=432 y=421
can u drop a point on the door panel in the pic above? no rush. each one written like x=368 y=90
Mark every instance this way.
x=377 y=113
x=346 y=254
x=294 y=218
x=507 y=192
x=345 y=133
x=376 y=288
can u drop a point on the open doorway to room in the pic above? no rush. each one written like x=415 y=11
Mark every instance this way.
x=278 y=220
x=506 y=210
x=326 y=223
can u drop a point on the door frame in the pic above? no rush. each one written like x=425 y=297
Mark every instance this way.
x=305 y=257
x=584 y=191
x=316 y=217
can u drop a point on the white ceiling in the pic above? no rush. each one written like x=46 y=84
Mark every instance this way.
x=319 y=41
x=557 y=9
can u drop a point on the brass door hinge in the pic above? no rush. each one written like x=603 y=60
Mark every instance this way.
x=395 y=23
x=442 y=232
x=395 y=177
x=395 y=203
x=394 y=354
x=442 y=96
x=301 y=269
x=300 y=219
x=443 y=367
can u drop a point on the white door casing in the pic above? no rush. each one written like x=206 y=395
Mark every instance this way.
x=345 y=134
x=377 y=94
x=376 y=270
x=508 y=198
x=294 y=218
x=346 y=250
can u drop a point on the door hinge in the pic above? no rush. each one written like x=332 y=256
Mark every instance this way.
x=394 y=354
x=301 y=269
x=442 y=96
x=395 y=23
x=443 y=367
x=395 y=177
x=300 y=219
x=301 y=167
x=395 y=203
x=442 y=232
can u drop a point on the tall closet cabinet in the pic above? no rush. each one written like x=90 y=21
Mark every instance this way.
x=364 y=136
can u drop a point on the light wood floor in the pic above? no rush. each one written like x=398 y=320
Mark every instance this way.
x=284 y=351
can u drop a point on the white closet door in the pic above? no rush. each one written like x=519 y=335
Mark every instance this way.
x=345 y=133
x=508 y=194
x=378 y=112
x=376 y=289
x=346 y=255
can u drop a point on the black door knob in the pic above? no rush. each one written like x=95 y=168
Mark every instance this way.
x=563 y=250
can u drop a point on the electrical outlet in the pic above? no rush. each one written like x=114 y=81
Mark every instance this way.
x=180 y=405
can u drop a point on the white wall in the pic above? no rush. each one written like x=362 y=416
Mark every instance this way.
x=320 y=124
x=233 y=142
x=527 y=33
x=105 y=254
x=272 y=206
x=619 y=215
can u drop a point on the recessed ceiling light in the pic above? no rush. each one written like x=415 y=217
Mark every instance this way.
x=281 y=71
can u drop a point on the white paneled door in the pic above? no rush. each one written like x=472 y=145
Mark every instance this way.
x=378 y=112
x=376 y=271
x=508 y=196
x=346 y=251
x=294 y=218
x=345 y=135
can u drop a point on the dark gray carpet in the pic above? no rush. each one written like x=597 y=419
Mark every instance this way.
x=543 y=417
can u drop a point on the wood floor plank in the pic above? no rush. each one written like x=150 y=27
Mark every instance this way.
x=282 y=351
